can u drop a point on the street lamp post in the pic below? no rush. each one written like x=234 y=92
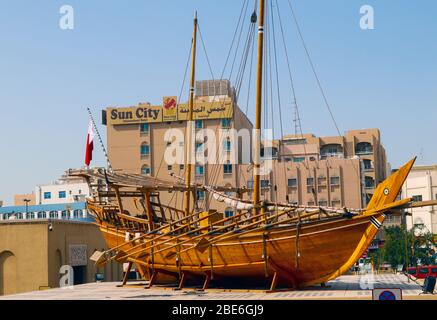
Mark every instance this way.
x=27 y=205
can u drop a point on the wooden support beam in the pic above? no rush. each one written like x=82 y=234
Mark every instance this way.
x=126 y=275
x=120 y=203
x=181 y=282
x=149 y=211
x=206 y=282
x=152 y=280
x=274 y=282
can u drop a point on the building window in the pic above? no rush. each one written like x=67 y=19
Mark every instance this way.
x=42 y=215
x=181 y=167
x=65 y=214
x=227 y=168
x=145 y=150
x=145 y=170
x=144 y=128
x=292 y=182
x=227 y=145
x=331 y=150
x=77 y=214
x=199 y=124
x=226 y=123
x=200 y=195
x=265 y=184
x=47 y=195
x=229 y=212
x=169 y=167
x=363 y=148
x=368 y=165
x=323 y=203
x=417 y=198
x=53 y=215
x=250 y=184
x=199 y=170
x=369 y=182
x=310 y=181
x=335 y=181
x=321 y=181
x=298 y=159
x=62 y=194
x=310 y=203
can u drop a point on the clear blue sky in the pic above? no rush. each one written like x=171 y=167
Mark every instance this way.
x=125 y=52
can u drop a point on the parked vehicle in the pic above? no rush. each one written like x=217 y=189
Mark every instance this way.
x=421 y=272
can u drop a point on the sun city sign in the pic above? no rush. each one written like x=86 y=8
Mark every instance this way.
x=169 y=111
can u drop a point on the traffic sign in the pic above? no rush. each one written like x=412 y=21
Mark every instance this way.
x=387 y=294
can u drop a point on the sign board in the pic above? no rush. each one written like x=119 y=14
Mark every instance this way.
x=207 y=110
x=387 y=294
x=169 y=111
x=78 y=255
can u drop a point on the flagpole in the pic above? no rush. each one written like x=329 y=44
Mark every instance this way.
x=100 y=140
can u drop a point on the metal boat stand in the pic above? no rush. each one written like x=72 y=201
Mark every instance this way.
x=206 y=282
x=181 y=282
x=152 y=280
x=126 y=275
x=279 y=272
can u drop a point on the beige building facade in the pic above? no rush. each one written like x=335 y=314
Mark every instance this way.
x=23 y=199
x=33 y=252
x=309 y=170
x=421 y=185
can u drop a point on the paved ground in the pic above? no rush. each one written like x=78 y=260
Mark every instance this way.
x=345 y=287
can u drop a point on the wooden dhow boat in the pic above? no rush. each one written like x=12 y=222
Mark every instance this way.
x=295 y=246
x=280 y=244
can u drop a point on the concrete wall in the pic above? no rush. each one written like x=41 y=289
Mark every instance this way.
x=31 y=255
x=24 y=264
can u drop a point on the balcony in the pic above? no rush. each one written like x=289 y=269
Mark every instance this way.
x=331 y=151
x=363 y=148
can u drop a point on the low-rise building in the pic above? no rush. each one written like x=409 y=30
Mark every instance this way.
x=58 y=211
x=42 y=254
x=64 y=190
x=421 y=185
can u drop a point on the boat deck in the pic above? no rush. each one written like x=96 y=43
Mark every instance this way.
x=344 y=288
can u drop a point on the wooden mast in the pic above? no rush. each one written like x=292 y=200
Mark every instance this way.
x=190 y=122
x=259 y=79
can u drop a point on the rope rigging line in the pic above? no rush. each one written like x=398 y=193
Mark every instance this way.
x=179 y=99
x=290 y=75
x=313 y=67
x=100 y=140
x=319 y=84
x=278 y=93
x=240 y=75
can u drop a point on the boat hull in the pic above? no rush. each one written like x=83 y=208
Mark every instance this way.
x=317 y=253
